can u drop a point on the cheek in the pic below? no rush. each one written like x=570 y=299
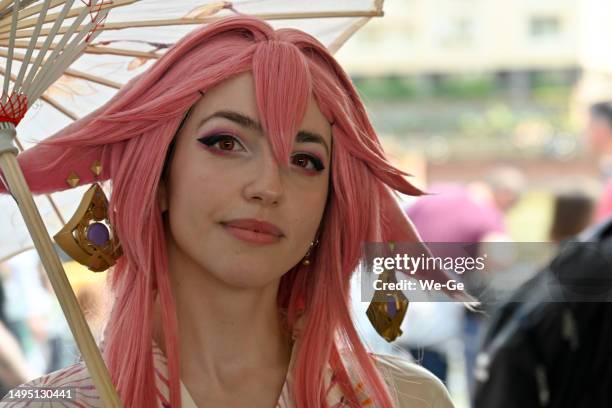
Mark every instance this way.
x=306 y=213
x=192 y=196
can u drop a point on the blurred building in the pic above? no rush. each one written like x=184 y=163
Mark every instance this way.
x=513 y=41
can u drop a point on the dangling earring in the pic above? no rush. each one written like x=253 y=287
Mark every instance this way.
x=89 y=237
x=306 y=259
x=388 y=308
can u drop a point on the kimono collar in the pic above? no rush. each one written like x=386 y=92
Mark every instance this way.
x=285 y=400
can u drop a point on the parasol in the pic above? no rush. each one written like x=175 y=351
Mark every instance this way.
x=61 y=59
x=130 y=39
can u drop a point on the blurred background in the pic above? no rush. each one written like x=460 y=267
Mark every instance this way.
x=456 y=87
x=473 y=97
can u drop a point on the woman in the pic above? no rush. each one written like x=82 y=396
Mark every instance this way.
x=245 y=177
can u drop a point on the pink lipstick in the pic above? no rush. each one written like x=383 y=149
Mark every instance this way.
x=253 y=231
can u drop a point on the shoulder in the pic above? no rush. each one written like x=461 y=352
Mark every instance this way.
x=412 y=385
x=75 y=378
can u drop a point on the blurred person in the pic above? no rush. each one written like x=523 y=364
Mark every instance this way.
x=58 y=343
x=90 y=302
x=599 y=136
x=549 y=344
x=573 y=211
x=13 y=367
x=430 y=331
x=27 y=306
x=471 y=214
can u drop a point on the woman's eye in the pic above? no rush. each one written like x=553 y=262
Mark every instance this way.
x=225 y=143
x=308 y=162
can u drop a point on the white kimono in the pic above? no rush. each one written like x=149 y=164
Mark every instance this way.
x=411 y=386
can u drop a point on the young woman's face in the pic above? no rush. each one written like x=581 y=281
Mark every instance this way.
x=233 y=211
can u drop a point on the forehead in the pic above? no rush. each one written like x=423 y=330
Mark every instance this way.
x=238 y=94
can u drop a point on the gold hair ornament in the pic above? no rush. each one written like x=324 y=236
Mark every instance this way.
x=89 y=237
x=388 y=307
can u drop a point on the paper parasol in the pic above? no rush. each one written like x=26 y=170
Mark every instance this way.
x=134 y=35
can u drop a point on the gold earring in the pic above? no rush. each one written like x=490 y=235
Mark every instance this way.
x=89 y=237
x=306 y=260
x=388 y=308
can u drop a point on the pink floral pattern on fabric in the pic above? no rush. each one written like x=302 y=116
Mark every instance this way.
x=86 y=396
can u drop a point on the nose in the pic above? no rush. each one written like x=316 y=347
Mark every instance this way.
x=265 y=185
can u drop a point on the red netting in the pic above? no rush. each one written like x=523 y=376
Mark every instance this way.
x=93 y=14
x=14 y=108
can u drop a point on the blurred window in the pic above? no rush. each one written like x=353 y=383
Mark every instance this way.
x=544 y=27
x=458 y=32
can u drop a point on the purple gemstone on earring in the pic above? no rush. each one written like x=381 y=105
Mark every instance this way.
x=391 y=307
x=98 y=233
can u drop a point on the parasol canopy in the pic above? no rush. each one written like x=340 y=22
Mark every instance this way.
x=129 y=39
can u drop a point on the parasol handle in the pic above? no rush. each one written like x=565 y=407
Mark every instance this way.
x=18 y=187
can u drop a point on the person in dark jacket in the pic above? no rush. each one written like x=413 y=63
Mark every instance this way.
x=550 y=345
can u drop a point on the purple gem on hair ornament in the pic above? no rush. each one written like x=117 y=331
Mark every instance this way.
x=98 y=233
x=391 y=306
x=88 y=236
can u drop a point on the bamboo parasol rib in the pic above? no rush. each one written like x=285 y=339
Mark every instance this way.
x=69 y=72
x=57 y=276
x=91 y=49
x=31 y=22
x=5 y=9
x=27 y=10
x=21 y=149
x=43 y=72
x=27 y=33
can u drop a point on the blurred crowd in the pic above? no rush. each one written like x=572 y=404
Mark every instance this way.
x=34 y=335
x=546 y=342
x=35 y=338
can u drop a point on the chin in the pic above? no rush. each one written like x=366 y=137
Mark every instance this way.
x=245 y=270
x=245 y=278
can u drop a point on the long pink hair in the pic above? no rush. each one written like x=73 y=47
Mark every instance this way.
x=131 y=134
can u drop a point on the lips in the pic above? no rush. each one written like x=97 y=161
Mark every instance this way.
x=255 y=226
x=253 y=231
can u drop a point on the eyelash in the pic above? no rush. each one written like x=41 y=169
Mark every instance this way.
x=212 y=140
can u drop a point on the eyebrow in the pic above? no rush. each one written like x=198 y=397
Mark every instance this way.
x=303 y=136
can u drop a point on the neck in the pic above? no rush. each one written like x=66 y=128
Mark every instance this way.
x=224 y=332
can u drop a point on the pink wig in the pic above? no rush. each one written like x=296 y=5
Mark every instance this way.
x=131 y=134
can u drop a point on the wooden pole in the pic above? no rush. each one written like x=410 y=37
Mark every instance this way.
x=51 y=262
